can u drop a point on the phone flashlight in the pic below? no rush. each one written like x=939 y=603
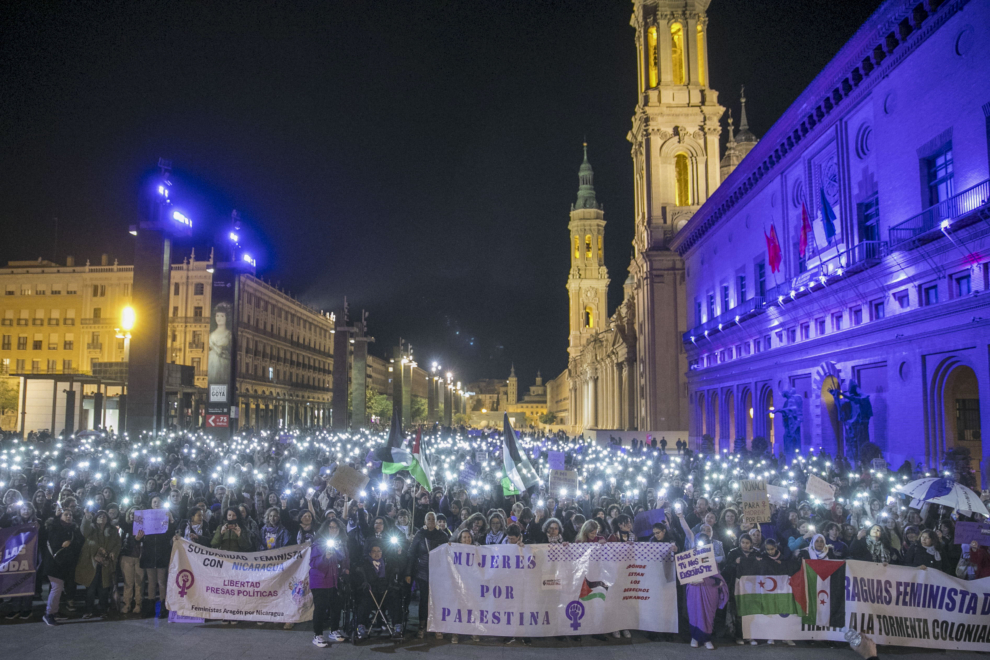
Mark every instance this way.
x=394 y=540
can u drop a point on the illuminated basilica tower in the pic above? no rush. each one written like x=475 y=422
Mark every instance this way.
x=587 y=284
x=675 y=150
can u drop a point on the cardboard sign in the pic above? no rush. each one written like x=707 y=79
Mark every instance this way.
x=755 y=503
x=777 y=494
x=817 y=487
x=555 y=460
x=151 y=521
x=972 y=531
x=878 y=464
x=696 y=564
x=563 y=483
x=644 y=521
x=348 y=481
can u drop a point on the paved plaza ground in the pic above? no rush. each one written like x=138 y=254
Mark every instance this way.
x=150 y=639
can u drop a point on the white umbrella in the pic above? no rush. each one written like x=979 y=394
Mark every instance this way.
x=944 y=491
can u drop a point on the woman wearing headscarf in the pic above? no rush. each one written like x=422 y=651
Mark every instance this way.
x=96 y=569
x=62 y=550
x=817 y=549
x=703 y=600
x=418 y=568
x=328 y=563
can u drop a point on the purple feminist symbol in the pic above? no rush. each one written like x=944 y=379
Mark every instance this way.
x=184 y=580
x=575 y=612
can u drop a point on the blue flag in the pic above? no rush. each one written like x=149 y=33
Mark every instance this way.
x=828 y=218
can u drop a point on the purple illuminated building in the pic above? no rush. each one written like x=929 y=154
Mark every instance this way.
x=887 y=153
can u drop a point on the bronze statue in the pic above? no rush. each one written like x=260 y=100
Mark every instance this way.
x=854 y=410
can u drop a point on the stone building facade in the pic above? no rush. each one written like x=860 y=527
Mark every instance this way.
x=875 y=185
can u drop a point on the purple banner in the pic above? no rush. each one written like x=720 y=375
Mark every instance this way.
x=643 y=522
x=19 y=561
x=971 y=531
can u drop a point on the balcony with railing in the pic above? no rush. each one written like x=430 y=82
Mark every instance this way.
x=94 y=347
x=930 y=223
x=831 y=267
x=196 y=345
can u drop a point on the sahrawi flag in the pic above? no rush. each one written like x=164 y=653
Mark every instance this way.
x=820 y=590
x=592 y=589
x=517 y=467
x=765 y=594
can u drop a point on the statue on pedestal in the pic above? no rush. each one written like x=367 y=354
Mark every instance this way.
x=854 y=410
x=793 y=413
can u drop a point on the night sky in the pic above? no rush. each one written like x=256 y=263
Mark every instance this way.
x=419 y=158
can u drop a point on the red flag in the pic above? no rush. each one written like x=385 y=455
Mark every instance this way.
x=805 y=230
x=773 y=249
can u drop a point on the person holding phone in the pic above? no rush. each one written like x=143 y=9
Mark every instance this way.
x=232 y=534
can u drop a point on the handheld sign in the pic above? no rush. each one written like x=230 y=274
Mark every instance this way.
x=755 y=502
x=348 y=481
x=151 y=521
x=817 y=487
x=696 y=564
x=563 y=483
x=555 y=460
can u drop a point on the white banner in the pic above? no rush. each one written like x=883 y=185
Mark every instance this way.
x=246 y=586
x=547 y=590
x=900 y=606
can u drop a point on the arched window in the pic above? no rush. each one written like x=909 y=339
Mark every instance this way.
x=701 y=54
x=589 y=317
x=601 y=254
x=577 y=247
x=651 y=54
x=677 y=53
x=587 y=246
x=682 y=183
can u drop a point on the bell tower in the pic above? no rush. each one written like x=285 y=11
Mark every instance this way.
x=675 y=150
x=587 y=284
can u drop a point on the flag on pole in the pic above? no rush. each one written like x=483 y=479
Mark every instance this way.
x=420 y=468
x=828 y=218
x=773 y=248
x=393 y=455
x=806 y=229
x=517 y=467
x=508 y=490
x=819 y=589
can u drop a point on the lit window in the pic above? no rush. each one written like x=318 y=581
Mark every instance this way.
x=577 y=247
x=589 y=317
x=701 y=54
x=601 y=252
x=682 y=184
x=677 y=53
x=651 y=53
x=587 y=246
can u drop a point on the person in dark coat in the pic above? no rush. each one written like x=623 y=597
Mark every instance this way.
x=62 y=549
x=156 y=550
x=418 y=568
x=925 y=552
x=376 y=579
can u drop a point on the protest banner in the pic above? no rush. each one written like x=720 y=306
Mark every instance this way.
x=644 y=521
x=271 y=585
x=817 y=487
x=555 y=460
x=755 y=503
x=696 y=564
x=972 y=531
x=151 y=521
x=348 y=481
x=563 y=483
x=19 y=561
x=777 y=495
x=899 y=606
x=550 y=590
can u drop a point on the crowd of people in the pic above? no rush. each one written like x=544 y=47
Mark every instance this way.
x=263 y=491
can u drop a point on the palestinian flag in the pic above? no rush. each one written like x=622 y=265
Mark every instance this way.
x=393 y=455
x=820 y=591
x=592 y=590
x=765 y=594
x=517 y=467
x=420 y=468
x=507 y=488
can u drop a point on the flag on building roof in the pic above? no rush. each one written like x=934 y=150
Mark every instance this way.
x=806 y=229
x=517 y=467
x=828 y=218
x=819 y=590
x=765 y=594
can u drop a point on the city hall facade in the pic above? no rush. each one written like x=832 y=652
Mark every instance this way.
x=852 y=244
